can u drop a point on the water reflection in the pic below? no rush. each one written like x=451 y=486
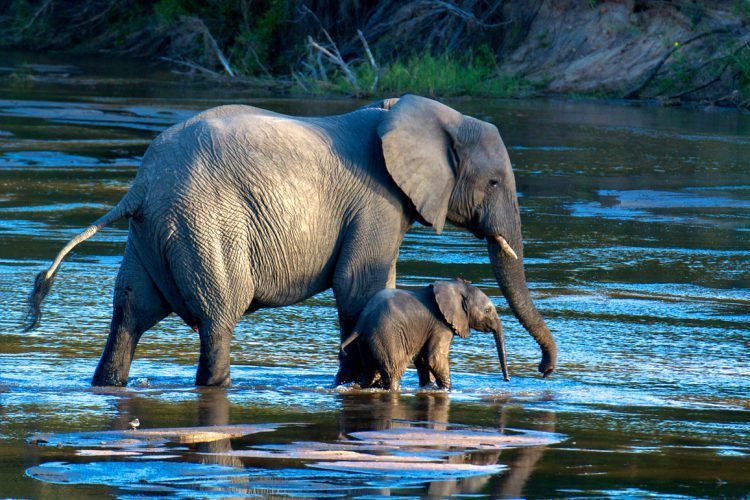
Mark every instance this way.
x=441 y=459
x=384 y=410
x=512 y=484
x=213 y=409
x=380 y=411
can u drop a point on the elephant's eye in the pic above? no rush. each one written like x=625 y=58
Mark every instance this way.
x=493 y=183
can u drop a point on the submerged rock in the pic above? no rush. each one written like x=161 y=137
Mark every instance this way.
x=433 y=471
x=141 y=437
x=457 y=438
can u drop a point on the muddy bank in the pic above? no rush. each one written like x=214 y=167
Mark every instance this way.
x=677 y=51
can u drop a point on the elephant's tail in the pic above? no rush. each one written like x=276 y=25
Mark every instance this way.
x=126 y=207
x=351 y=338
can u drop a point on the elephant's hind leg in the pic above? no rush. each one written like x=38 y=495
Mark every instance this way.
x=137 y=306
x=217 y=290
x=426 y=379
x=440 y=367
x=214 y=359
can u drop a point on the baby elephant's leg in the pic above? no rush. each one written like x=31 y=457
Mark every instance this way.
x=440 y=367
x=391 y=372
x=369 y=378
x=423 y=370
x=390 y=382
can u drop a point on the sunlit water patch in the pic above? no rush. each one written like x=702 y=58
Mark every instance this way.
x=663 y=206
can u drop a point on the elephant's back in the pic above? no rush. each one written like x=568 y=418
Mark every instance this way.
x=234 y=148
x=260 y=149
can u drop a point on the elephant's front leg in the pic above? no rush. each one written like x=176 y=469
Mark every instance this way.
x=367 y=265
x=438 y=352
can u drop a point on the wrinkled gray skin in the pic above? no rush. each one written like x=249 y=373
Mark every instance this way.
x=239 y=208
x=399 y=326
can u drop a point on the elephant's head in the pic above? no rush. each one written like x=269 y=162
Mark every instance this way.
x=464 y=306
x=456 y=167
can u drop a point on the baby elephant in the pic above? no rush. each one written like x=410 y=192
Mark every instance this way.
x=398 y=326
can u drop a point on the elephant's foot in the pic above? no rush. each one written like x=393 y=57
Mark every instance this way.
x=226 y=382
x=210 y=378
x=349 y=370
x=106 y=375
x=343 y=377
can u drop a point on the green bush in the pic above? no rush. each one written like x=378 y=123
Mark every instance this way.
x=741 y=63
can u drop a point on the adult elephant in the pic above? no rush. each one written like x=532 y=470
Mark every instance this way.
x=239 y=208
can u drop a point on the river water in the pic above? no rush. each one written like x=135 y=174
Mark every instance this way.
x=637 y=235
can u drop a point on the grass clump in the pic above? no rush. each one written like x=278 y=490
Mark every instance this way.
x=428 y=74
x=448 y=75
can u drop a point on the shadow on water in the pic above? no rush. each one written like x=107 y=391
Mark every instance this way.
x=636 y=223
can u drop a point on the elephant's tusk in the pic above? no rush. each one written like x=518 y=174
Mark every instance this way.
x=505 y=247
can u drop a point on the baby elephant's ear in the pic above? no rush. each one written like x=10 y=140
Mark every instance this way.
x=450 y=300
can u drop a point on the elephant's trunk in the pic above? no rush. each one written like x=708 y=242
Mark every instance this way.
x=511 y=278
x=500 y=344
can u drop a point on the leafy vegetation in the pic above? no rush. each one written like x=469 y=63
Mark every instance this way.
x=740 y=62
x=369 y=47
x=449 y=75
x=427 y=74
x=271 y=39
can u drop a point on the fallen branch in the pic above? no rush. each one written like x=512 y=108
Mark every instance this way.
x=321 y=66
x=191 y=65
x=333 y=55
x=299 y=79
x=733 y=97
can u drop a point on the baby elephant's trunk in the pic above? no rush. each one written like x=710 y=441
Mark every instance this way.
x=500 y=344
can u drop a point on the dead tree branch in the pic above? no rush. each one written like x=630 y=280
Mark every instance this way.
x=335 y=58
x=215 y=46
x=718 y=76
x=370 y=57
x=655 y=70
x=36 y=15
x=300 y=81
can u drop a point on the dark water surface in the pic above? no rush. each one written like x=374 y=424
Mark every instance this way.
x=637 y=231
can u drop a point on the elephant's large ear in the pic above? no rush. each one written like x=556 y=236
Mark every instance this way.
x=418 y=135
x=450 y=301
